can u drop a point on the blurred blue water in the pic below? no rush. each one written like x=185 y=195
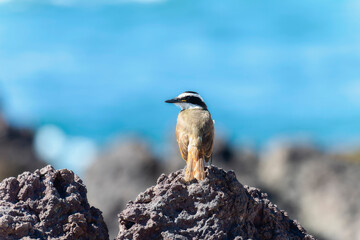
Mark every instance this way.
x=265 y=68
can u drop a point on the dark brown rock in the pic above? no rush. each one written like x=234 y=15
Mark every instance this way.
x=217 y=208
x=48 y=204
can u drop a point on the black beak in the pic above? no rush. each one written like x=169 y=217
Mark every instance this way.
x=174 y=100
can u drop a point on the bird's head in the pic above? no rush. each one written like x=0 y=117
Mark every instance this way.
x=188 y=100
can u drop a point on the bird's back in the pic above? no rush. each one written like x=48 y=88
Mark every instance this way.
x=195 y=126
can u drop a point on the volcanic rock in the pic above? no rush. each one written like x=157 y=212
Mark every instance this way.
x=217 y=208
x=48 y=204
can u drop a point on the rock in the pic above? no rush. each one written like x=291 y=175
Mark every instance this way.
x=48 y=204
x=321 y=190
x=118 y=175
x=16 y=151
x=217 y=208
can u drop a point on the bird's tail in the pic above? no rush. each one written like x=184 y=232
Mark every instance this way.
x=194 y=165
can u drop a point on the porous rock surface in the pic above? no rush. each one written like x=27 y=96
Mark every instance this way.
x=217 y=208
x=48 y=204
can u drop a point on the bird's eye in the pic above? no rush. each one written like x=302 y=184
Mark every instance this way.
x=183 y=100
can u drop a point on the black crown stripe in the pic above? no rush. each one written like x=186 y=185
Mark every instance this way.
x=191 y=92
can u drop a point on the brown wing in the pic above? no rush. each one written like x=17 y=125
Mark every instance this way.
x=183 y=141
x=208 y=140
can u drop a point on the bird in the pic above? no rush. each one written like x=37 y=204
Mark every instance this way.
x=194 y=133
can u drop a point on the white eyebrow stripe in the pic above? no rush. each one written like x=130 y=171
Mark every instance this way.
x=190 y=94
x=187 y=106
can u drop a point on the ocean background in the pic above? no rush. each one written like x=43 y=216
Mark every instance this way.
x=82 y=73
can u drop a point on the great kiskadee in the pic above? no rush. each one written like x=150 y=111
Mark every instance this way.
x=194 y=133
